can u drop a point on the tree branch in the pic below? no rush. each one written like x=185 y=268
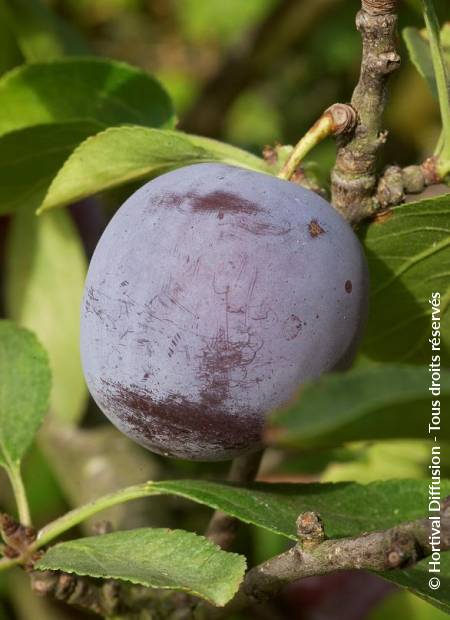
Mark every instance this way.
x=101 y=598
x=398 y=547
x=354 y=177
x=396 y=182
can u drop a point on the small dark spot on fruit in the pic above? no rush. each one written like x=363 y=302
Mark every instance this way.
x=124 y=283
x=348 y=286
x=292 y=327
x=315 y=229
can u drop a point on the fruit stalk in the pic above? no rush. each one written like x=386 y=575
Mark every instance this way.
x=222 y=527
x=337 y=119
x=20 y=495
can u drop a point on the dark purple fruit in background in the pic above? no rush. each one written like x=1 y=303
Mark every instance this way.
x=214 y=293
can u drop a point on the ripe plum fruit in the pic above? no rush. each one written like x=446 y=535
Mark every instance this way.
x=213 y=294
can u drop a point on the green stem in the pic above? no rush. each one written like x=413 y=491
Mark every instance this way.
x=20 y=495
x=439 y=144
x=6 y=563
x=78 y=515
x=323 y=127
x=440 y=72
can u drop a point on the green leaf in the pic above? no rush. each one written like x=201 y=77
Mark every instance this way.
x=40 y=34
x=74 y=89
x=24 y=391
x=382 y=460
x=45 y=271
x=375 y=402
x=416 y=580
x=347 y=509
x=420 y=55
x=122 y=154
x=31 y=157
x=276 y=507
x=409 y=258
x=156 y=558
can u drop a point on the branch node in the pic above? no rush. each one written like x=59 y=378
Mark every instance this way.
x=403 y=551
x=310 y=530
x=390 y=187
x=17 y=537
x=344 y=118
x=388 y=62
x=430 y=171
x=379 y=7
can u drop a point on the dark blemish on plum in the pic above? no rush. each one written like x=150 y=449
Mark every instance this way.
x=348 y=286
x=315 y=229
x=292 y=327
x=219 y=357
x=223 y=365
x=174 y=343
x=219 y=202
x=176 y=339
x=124 y=283
x=222 y=202
x=186 y=425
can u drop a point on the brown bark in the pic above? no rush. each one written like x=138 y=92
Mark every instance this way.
x=354 y=177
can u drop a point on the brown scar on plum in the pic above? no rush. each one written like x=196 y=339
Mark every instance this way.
x=315 y=229
x=223 y=202
x=219 y=202
x=185 y=421
x=348 y=286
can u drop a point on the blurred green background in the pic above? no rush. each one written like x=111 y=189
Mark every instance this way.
x=256 y=72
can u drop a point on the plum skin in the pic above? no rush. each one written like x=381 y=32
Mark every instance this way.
x=212 y=295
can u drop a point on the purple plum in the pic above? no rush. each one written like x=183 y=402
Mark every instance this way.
x=213 y=294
